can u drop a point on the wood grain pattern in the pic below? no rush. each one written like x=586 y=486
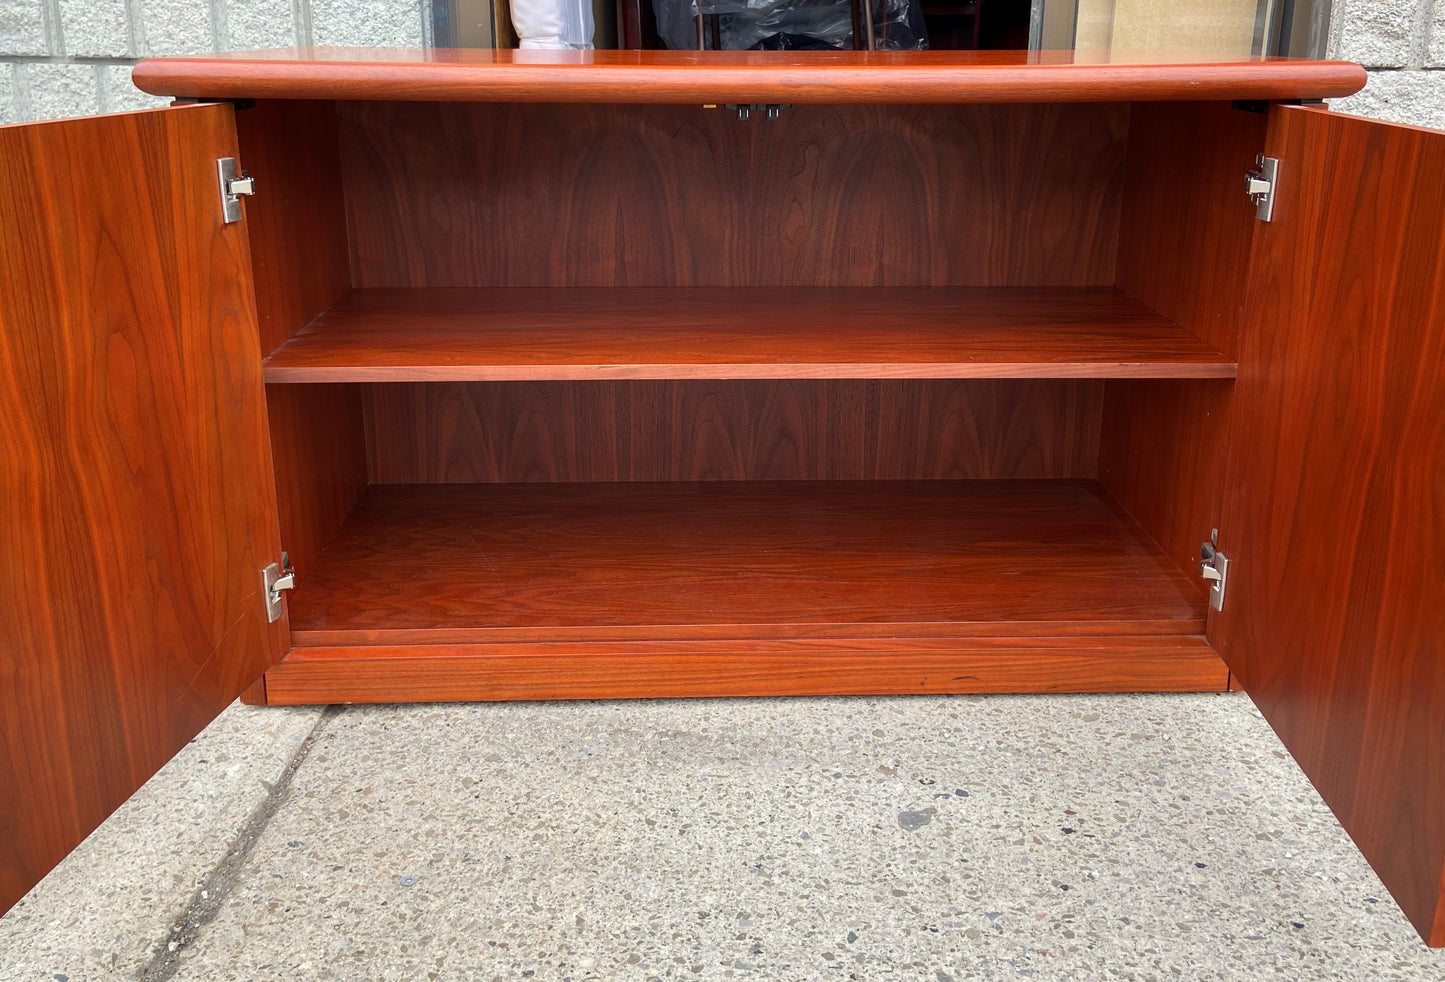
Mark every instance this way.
x=731 y=431
x=318 y=450
x=659 y=669
x=1186 y=225
x=302 y=262
x=1162 y=454
x=1335 y=515
x=1184 y=246
x=297 y=220
x=450 y=564
x=742 y=76
x=255 y=693
x=722 y=333
x=620 y=195
x=138 y=508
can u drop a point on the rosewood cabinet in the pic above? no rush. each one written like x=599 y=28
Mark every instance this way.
x=552 y=377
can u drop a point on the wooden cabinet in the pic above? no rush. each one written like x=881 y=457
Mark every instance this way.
x=556 y=379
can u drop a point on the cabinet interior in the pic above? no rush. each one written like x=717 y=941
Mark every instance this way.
x=652 y=375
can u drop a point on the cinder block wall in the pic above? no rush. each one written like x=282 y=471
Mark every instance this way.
x=1402 y=43
x=73 y=57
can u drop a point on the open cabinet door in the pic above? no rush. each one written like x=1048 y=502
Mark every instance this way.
x=1334 y=517
x=137 y=508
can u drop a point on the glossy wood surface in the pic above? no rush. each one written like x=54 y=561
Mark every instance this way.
x=660 y=669
x=741 y=76
x=722 y=333
x=1184 y=247
x=1162 y=453
x=1335 y=515
x=452 y=564
x=136 y=504
x=297 y=219
x=318 y=450
x=301 y=259
x=1186 y=226
x=623 y=195
x=731 y=430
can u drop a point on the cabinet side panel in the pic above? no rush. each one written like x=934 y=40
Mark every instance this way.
x=319 y=451
x=297 y=219
x=1184 y=245
x=478 y=195
x=1186 y=225
x=302 y=260
x=732 y=431
x=1162 y=449
x=136 y=505
x=1335 y=509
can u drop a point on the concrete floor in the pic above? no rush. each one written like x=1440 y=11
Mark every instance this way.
x=1043 y=837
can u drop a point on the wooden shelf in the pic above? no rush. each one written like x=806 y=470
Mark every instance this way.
x=473 y=563
x=714 y=333
x=733 y=588
x=792 y=77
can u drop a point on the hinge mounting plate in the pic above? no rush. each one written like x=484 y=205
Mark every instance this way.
x=771 y=111
x=1214 y=567
x=1260 y=184
x=234 y=183
x=274 y=579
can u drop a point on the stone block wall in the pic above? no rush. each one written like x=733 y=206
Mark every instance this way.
x=73 y=57
x=1402 y=44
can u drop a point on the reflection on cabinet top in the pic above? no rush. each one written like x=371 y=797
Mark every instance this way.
x=487 y=75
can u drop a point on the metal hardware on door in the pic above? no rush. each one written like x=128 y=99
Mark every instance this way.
x=1214 y=567
x=745 y=111
x=274 y=579
x=234 y=184
x=1261 y=184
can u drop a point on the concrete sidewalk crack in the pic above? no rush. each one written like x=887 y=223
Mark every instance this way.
x=206 y=902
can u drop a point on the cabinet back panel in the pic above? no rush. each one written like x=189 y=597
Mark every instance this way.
x=493 y=195
x=447 y=432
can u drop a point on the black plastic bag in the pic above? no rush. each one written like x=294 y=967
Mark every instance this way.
x=789 y=25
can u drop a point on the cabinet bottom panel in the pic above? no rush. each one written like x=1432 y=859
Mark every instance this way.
x=729 y=560
x=626 y=590
x=632 y=670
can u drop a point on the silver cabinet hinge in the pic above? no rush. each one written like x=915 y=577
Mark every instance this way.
x=1260 y=184
x=274 y=579
x=234 y=183
x=1214 y=567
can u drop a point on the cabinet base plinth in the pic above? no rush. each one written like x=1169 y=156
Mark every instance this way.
x=673 y=669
